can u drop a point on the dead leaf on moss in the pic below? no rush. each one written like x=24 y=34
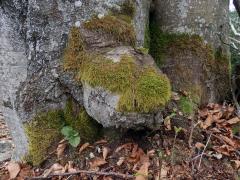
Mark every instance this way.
x=13 y=169
x=61 y=148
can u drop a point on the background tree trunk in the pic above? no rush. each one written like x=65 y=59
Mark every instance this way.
x=188 y=63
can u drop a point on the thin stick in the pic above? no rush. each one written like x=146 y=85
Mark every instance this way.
x=119 y=175
x=204 y=151
x=193 y=126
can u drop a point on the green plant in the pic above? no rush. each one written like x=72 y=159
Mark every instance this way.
x=186 y=105
x=71 y=135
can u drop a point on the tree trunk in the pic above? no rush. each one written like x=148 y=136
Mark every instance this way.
x=186 y=38
x=186 y=59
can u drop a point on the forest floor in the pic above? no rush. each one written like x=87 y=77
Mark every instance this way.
x=205 y=147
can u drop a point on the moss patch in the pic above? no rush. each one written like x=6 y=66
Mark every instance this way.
x=119 y=27
x=142 y=89
x=42 y=132
x=45 y=130
x=187 y=106
x=74 y=46
x=161 y=42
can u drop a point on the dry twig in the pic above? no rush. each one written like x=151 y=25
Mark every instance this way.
x=119 y=175
x=200 y=161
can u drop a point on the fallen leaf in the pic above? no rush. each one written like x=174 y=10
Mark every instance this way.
x=167 y=123
x=97 y=163
x=13 y=169
x=71 y=169
x=83 y=147
x=120 y=161
x=228 y=140
x=61 y=147
x=136 y=154
x=236 y=163
x=164 y=171
x=217 y=116
x=124 y=146
x=199 y=145
x=142 y=173
x=218 y=155
x=203 y=113
x=151 y=153
x=102 y=141
x=55 y=168
x=208 y=122
x=234 y=120
x=224 y=149
x=105 y=152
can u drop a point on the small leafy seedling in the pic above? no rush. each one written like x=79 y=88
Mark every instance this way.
x=71 y=135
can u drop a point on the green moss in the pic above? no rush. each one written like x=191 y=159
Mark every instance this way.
x=88 y=128
x=74 y=46
x=42 y=131
x=162 y=42
x=116 y=26
x=45 y=130
x=186 y=105
x=125 y=78
x=128 y=8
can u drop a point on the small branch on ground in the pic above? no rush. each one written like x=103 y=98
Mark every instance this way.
x=205 y=147
x=193 y=126
x=119 y=175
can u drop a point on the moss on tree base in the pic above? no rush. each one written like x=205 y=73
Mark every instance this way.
x=141 y=88
x=45 y=130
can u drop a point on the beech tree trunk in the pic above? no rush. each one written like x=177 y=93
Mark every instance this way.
x=186 y=39
x=188 y=67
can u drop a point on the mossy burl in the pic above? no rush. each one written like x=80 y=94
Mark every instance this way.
x=45 y=130
x=141 y=89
